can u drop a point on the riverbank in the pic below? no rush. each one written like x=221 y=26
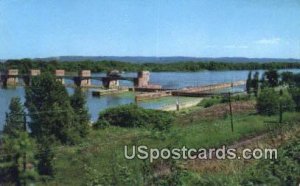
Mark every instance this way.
x=182 y=105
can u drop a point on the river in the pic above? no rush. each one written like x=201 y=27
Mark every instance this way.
x=166 y=79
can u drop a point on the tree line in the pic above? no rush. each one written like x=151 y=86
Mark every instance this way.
x=275 y=92
x=24 y=65
x=49 y=117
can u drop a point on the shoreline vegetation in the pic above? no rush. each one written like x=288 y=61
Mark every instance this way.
x=24 y=65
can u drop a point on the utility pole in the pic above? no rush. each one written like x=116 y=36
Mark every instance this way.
x=280 y=107
x=230 y=110
x=177 y=104
x=280 y=112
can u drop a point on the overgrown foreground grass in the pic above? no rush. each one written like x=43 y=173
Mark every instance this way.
x=100 y=158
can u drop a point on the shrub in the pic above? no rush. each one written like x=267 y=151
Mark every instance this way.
x=133 y=116
x=101 y=124
x=290 y=79
x=287 y=78
x=295 y=92
x=267 y=102
x=249 y=82
x=286 y=101
x=208 y=102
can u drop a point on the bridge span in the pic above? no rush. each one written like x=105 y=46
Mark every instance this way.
x=82 y=79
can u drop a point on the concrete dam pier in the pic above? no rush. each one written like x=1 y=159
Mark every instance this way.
x=84 y=78
x=110 y=83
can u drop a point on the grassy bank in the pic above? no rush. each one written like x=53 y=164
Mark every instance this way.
x=100 y=158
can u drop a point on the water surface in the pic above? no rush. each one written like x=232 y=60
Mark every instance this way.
x=174 y=80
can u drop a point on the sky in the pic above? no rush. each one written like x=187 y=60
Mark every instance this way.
x=194 y=28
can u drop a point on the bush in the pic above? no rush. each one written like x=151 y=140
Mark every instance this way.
x=134 y=116
x=268 y=102
x=290 y=79
x=287 y=78
x=208 y=102
x=295 y=92
x=287 y=101
x=101 y=124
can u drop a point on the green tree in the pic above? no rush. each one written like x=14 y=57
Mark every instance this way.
x=50 y=110
x=45 y=159
x=263 y=81
x=286 y=101
x=268 y=102
x=296 y=80
x=25 y=64
x=78 y=103
x=249 y=83
x=295 y=93
x=17 y=146
x=255 y=83
x=17 y=162
x=287 y=78
x=15 y=118
x=272 y=76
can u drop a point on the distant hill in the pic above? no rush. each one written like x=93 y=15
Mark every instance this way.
x=171 y=59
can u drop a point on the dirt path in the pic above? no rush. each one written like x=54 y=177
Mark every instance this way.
x=249 y=142
x=210 y=164
x=216 y=111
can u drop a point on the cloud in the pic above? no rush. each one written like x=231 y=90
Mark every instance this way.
x=270 y=41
